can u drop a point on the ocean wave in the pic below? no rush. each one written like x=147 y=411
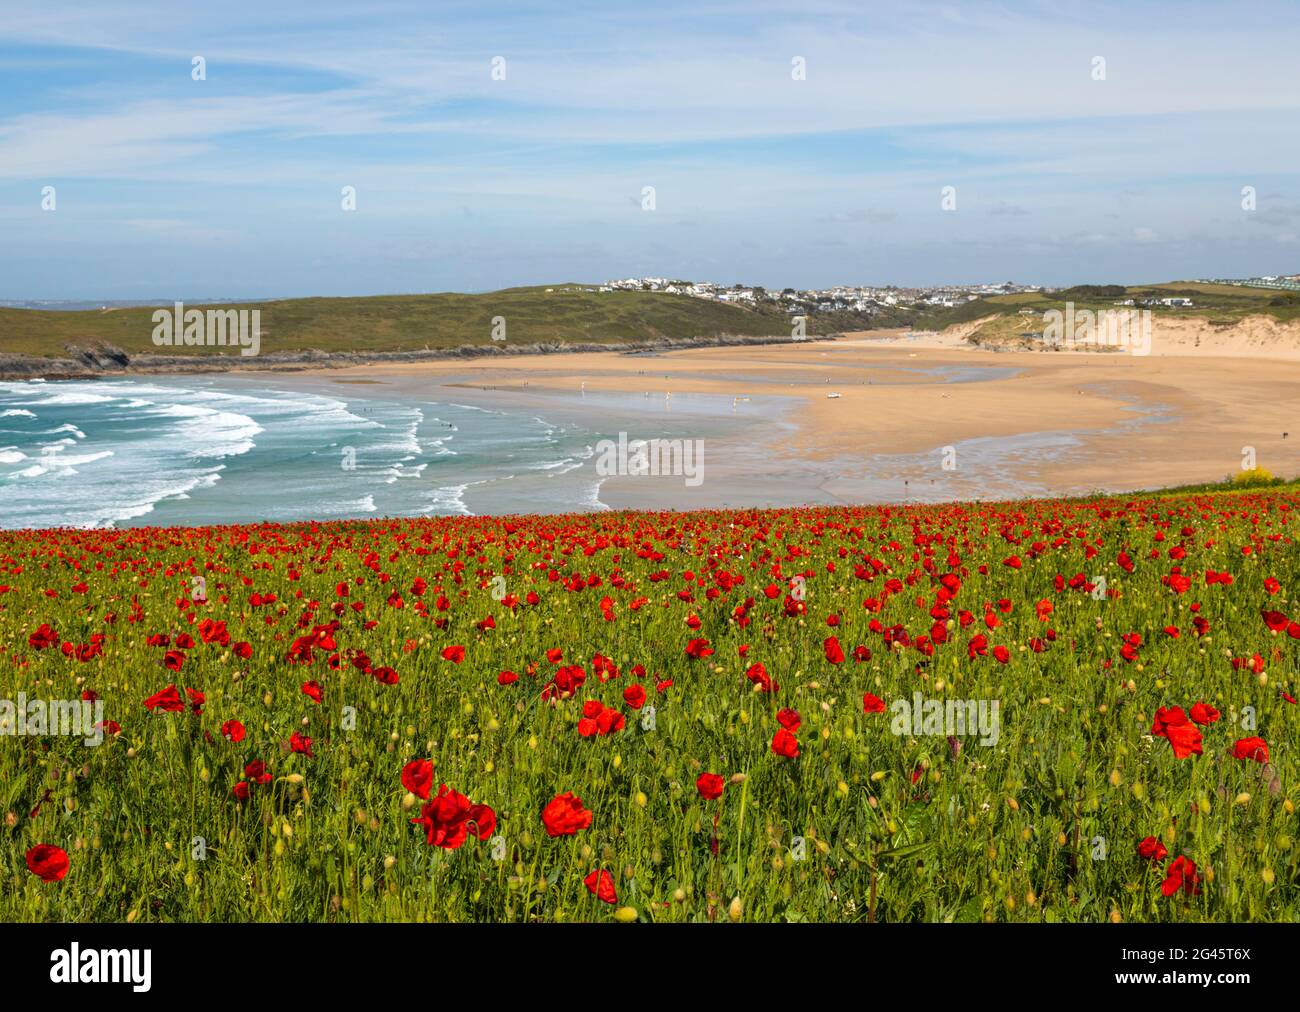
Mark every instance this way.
x=450 y=497
x=551 y=465
x=63 y=460
x=592 y=498
x=56 y=464
x=67 y=427
x=139 y=505
x=66 y=398
x=213 y=433
x=17 y=413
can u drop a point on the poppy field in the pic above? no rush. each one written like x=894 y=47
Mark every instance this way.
x=1073 y=710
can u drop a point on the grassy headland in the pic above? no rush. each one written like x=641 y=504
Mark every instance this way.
x=558 y=314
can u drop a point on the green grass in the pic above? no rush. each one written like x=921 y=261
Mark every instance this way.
x=412 y=322
x=864 y=825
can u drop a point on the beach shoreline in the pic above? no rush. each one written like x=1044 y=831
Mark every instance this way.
x=1122 y=422
x=863 y=419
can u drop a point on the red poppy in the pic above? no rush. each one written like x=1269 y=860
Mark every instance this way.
x=417 y=777
x=47 y=862
x=872 y=704
x=455 y=654
x=1204 y=713
x=564 y=815
x=709 y=785
x=1181 y=876
x=1275 y=620
x=1172 y=724
x=598 y=719
x=601 y=885
x=449 y=819
x=634 y=696
x=43 y=638
x=168 y=700
x=698 y=649
x=1152 y=849
x=757 y=674
x=1251 y=748
x=785 y=744
x=233 y=730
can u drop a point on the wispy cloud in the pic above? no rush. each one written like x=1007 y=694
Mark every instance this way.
x=1049 y=119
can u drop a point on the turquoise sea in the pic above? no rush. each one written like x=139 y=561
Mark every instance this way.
x=236 y=448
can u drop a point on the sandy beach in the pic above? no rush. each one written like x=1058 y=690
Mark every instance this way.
x=879 y=416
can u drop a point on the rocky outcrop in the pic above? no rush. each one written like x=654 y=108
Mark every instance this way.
x=99 y=356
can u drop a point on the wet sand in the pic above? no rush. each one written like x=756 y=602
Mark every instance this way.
x=913 y=419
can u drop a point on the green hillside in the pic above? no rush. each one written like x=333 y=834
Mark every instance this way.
x=559 y=314
x=1219 y=304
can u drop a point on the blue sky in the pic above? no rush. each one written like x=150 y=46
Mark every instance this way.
x=170 y=187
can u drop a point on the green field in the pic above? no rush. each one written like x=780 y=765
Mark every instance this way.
x=710 y=702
